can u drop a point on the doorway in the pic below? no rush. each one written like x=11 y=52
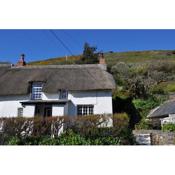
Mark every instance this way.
x=43 y=110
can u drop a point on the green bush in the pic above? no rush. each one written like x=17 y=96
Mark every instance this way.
x=170 y=87
x=168 y=127
x=120 y=121
x=158 y=89
x=71 y=138
x=14 y=140
x=144 y=106
x=144 y=124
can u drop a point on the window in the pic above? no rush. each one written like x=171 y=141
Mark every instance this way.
x=85 y=109
x=36 y=91
x=63 y=94
x=20 y=112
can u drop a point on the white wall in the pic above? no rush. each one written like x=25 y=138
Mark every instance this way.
x=58 y=110
x=29 y=111
x=10 y=104
x=46 y=96
x=102 y=101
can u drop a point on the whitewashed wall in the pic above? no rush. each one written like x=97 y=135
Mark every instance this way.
x=102 y=101
x=58 y=110
x=10 y=104
x=29 y=111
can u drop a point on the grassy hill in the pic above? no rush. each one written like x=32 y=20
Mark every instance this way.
x=114 y=57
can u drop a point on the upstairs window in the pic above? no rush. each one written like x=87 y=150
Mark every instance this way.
x=63 y=94
x=85 y=110
x=37 y=91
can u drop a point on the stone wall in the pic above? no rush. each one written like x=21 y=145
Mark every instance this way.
x=154 y=137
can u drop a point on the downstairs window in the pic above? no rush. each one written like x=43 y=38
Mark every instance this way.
x=20 y=112
x=85 y=109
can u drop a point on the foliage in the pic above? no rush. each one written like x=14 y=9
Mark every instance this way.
x=71 y=138
x=138 y=88
x=120 y=121
x=14 y=140
x=144 y=106
x=87 y=130
x=169 y=127
x=170 y=87
x=89 y=55
x=144 y=124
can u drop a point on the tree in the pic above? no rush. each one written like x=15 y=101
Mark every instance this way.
x=89 y=55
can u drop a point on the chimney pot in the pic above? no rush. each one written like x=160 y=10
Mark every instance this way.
x=21 y=61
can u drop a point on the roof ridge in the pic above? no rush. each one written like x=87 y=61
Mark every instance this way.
x=58 y=66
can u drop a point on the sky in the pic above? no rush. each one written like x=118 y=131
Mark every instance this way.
x=42 y=44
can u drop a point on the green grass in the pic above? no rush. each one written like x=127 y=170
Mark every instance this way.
x=113 y=58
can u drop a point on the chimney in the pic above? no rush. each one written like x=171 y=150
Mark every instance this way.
x=102 y=62
x=101 y=59
x=21 y=61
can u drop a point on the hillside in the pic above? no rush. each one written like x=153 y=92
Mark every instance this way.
x=114 y=57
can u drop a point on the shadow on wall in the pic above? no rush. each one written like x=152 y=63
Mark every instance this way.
x=126 y=105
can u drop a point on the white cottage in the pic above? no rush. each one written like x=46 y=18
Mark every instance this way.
x=55 y=90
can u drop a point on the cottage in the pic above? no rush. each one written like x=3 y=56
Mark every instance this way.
x=55 y=90
x=164 y=113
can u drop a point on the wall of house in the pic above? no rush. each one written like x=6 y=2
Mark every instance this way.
x=29 y=111
x=102 y=101
x=57 y=110
x=10 y=104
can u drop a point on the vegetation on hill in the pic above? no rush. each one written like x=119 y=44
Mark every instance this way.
x=146 y=78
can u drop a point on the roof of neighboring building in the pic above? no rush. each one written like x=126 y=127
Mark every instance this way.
x=16 y=80
x=163 y=110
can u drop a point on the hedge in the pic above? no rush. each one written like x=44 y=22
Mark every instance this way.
x=81 y=130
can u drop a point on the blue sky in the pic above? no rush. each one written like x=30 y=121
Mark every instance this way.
x=41 y=44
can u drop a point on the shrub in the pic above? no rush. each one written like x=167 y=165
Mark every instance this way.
x=86 y=130
x=49 y=141
x=71 y=138
x=144 y=106
x=120 y=121
x=158 y=89
x=144 y=124
x=170 y=87
x=14 y=140
x=168 y=127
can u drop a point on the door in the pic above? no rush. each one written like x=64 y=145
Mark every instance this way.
x=47 y=111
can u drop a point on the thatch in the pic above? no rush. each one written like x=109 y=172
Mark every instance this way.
x=17 y=80
x=163 y=110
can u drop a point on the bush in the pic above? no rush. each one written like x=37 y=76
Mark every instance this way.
x=144 y=106
x=168 y=127
x=86 y=130
x=170 y=87
x=14 y=140
x=120 y=121
x=71 y=138
x=144 y=124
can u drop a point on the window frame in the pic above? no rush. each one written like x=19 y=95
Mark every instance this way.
x=36 y=90
x=83 y=110
x=20 y=113
x=61 y=96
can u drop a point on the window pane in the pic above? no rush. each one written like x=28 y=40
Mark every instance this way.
x=36 y=91
x=85 y=109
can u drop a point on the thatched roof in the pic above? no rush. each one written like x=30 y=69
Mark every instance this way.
x=17 y=80
x=163 y=110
